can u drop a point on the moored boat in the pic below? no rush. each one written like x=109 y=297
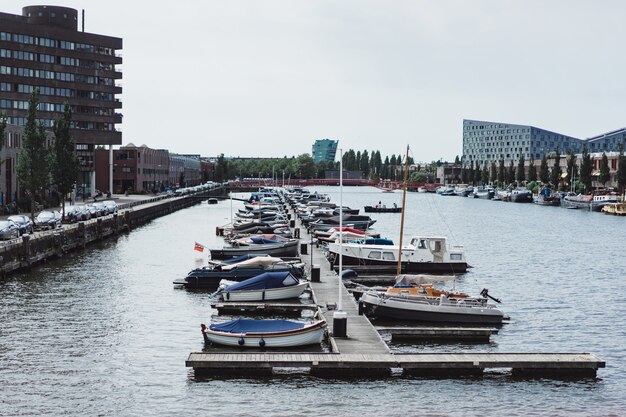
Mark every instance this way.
x=379 y=208
x=424 y=254
x=289 y=248
x=264 y=333
x=265 y=286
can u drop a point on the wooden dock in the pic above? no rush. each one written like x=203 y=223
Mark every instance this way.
x=363 y=352
x=427 y=364
x=453 y=334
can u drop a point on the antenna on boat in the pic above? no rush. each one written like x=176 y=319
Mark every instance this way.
x=406 y=171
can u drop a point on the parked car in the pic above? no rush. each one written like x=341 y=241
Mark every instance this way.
x=8 y=230
x=101 y=208
x=83 y=213
x=93 y=211
x=72 y=214
x=48 y=219
x=24 y=223
x=111 y=206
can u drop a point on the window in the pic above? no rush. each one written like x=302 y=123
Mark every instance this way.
x=389 y=256
x=374 y=255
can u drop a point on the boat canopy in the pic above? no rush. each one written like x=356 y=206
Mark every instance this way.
x=378 y=241
x=258 y=261
x=408 y=279
x=265 y=280
x=237 y=259
x=257 y=326
x=261 y=240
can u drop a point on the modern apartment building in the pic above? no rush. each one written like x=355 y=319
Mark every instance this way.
x=324 y=150
x=491 y=141
x=43 y=49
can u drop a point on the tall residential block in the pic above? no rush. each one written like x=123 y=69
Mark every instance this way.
x=44 y=49
x=324 y=150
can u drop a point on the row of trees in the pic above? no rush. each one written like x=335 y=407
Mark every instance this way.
x=40 y=167
x=304 y=167
x=501 y=175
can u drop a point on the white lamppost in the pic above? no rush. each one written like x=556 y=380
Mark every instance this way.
x=340 y=317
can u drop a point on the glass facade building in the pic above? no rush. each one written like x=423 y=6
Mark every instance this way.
x=324 y=150
x=487 y=142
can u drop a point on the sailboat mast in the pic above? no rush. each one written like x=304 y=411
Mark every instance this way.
x=406 y=171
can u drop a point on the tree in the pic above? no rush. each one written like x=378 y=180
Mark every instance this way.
x=494 y=172
x=64 y=162
x=457 y=161
x=621 y=169
x=510 y=173
x=586 y=168
x=605 y=172
x=470 y=173
x=220 y=171
x=520 y=175
x=3 y=126
x=33 y=162
x=364 y=164
x=544 y=171
x=485 y=174
x=555 y=174
x=532 y=172
x=501 y=172
x=572 y=168
x=477 y=174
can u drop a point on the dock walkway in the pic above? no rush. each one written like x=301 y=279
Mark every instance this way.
x=363 y=352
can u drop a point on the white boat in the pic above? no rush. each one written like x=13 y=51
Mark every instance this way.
x=424 y=254
x=264 y=287
x=440 y=309
x=265 y=333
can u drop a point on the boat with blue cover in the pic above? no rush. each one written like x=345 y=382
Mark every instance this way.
x=265 y=333
x=209 y=277
x=266 y=286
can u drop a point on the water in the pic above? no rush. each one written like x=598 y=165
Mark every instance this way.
x=104 y=332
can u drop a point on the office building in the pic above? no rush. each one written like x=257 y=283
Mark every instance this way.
x=43 y=49
x=324 y=150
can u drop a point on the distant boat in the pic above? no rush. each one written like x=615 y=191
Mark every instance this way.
x=547 y=198
x=521 y=195
x=378 y=208
x=588 y=202
x=264 y=333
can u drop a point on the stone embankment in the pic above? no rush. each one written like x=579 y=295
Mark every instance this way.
x=29 y=250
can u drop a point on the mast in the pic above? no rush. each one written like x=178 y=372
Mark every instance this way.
x=406 y=171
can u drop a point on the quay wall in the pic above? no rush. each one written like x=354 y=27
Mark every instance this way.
x=30 y=250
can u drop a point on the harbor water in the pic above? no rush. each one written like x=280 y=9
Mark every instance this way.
x=104 y=331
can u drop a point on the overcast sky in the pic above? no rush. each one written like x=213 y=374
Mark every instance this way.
x=268 y=78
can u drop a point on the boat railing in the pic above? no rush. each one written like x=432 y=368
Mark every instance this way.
x=447 y=301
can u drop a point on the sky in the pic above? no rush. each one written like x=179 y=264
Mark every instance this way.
x=266 y=78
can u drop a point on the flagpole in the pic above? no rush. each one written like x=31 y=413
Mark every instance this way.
x=340 y=318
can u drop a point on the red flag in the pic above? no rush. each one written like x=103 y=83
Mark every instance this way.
x=198 y=247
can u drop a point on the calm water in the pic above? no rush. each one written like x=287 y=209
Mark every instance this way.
x=104 y=332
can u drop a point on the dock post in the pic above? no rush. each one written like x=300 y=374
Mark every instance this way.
x=303 y=247
x=340 y=324
x=360 y=308
x=296 y=235
x=315 y=273
x=292 y=223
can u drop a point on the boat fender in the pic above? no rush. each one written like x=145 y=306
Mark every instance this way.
x=262 y=342
x=241 y=341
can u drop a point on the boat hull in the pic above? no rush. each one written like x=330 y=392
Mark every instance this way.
x=210 y=279
x=407 y=266
x=406 y=309
x=270 y=294
x=371 y=209
x=308 y=335
x=281 y=250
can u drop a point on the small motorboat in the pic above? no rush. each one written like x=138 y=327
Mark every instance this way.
x=289 y=248
x=265 y=286
x=265 y=333
x=425 y=304
x=381 y=208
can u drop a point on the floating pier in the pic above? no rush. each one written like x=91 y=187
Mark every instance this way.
x=339 y=365
x=447 y=334
x=359 y=350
